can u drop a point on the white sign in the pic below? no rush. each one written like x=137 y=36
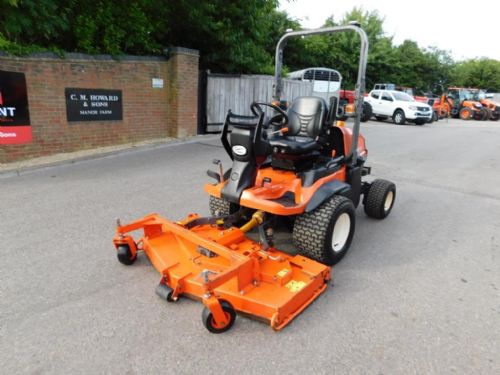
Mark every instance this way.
x=157 y=83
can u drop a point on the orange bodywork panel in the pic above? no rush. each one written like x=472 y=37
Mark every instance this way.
x=266 y=196
x=210 y=262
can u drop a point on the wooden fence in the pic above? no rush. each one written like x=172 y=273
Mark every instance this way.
x=237 y=92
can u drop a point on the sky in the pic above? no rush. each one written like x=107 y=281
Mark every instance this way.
x=467 y=30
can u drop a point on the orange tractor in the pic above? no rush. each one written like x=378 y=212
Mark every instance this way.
x=464 y=105
x=489 y=105
x=294 y=167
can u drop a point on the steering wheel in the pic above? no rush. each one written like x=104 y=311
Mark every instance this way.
x=281 y=119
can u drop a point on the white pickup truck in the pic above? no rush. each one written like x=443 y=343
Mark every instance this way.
x=399 y=106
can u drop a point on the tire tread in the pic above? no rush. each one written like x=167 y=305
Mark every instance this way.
x=310 y=230
x=374 y=203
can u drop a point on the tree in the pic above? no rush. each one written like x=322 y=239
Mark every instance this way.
x=236 y=36
x=231 y=36
x=483 y=73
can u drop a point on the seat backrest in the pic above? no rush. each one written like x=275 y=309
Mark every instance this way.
x=306 y=116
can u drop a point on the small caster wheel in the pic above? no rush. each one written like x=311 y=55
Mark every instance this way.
x=125 y=255
x=165 y=292
x=211 y=325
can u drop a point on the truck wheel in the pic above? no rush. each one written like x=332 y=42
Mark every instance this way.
x=433 y=118
x=465 y=114
x=399 y=117
x=367 y=112
x=221 y=207
x=380 y=198
x=325 y=234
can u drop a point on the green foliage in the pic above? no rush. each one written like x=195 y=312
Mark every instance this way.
x=405 y=65
x=483 y=73
x=232 y=36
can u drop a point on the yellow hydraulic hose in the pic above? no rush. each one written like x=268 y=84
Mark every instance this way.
x=257 y=218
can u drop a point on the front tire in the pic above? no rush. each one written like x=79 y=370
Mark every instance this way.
x=399 y=117
x=325 y=233
x=379 y=199
x=465 y=114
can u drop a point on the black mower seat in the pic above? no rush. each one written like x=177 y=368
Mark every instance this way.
x=306 y=117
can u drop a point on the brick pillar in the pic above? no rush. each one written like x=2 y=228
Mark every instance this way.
x=182 y=95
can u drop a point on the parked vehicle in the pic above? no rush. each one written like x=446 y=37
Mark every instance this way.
x=327 y=85
x=464 y=104
x=412 y=92
x=399 y=106
x=488 y=104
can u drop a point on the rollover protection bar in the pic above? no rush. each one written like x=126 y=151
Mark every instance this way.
x=360 y=84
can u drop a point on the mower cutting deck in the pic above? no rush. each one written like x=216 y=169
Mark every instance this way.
x=219 y=264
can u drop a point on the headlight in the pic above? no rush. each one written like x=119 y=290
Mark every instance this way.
x=412 y=107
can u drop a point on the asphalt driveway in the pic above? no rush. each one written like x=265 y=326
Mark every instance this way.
x=418 y=292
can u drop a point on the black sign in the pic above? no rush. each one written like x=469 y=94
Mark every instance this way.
x=14 y=113
x=93 y=104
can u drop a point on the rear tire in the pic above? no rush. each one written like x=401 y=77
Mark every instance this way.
x=221 y=207
x=485 y=114
x=380 y=199
x=325 y=234
x=399 y=117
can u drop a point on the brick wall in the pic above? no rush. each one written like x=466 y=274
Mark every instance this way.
x=147 y=112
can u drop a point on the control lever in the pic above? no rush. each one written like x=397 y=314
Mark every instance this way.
x=282 y=131
x=221 y=169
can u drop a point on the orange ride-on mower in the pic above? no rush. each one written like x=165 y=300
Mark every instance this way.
x=294 y=167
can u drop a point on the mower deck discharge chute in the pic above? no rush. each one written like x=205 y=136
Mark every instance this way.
x=294 y=168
